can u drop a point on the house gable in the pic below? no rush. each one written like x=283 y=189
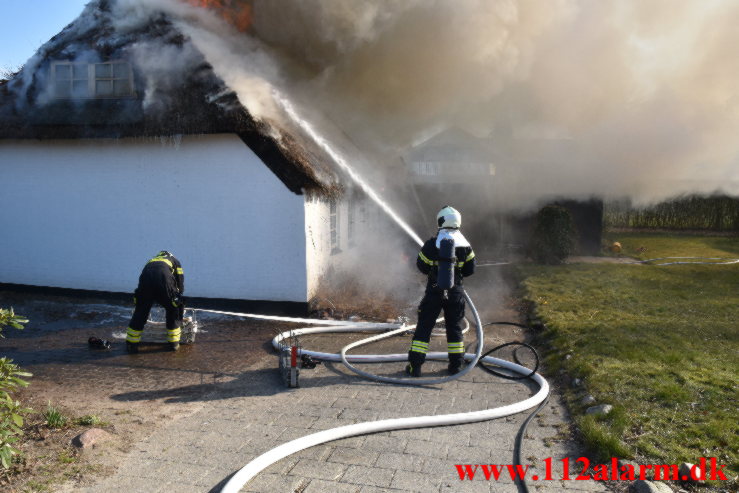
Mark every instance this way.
x=86 y=82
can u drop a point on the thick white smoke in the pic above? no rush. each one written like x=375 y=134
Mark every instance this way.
x=641 y=91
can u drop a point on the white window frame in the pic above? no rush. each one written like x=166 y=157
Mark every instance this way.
x=91 y=79
x=351 y=226
x=334 y=219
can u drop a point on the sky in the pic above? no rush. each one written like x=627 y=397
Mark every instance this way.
x=26 y=25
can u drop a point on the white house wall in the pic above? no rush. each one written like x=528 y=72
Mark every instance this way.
x=89 y=214
x=322 y=256
x=318 y=243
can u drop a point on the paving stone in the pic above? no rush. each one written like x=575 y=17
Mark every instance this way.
x=321 y=486
x=309 y=468
x=328 y=423
x=358 y=456
x=415 y=481
x=415 y=433
x=395 y=460
x=468 y=455
x=279 y=483
x=226 y=431
x=370 y=476
x=477 y=486
x=382 y=442
x=373 y=489
x=180 y=487
x=450 y=435
x=427 y=449
x=357 y=415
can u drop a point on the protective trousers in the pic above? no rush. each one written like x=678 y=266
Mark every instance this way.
x=155 y=286
x=431 y=305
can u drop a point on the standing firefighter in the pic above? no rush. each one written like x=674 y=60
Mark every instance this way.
x=448 y=249
x=162 y=281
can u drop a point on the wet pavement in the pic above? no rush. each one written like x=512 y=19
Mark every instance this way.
x=53 y=346
x=219 y=403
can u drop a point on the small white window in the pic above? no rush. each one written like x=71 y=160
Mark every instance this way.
x=71 y=80
x=351 y=219
x=333 y=214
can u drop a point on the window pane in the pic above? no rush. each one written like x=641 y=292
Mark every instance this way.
x=121 y=87
x=80 y=71
x=120 y=70
x=103 y=71
x=79 y=89
x=63 y=72
x=103 y=87
x=63 y=89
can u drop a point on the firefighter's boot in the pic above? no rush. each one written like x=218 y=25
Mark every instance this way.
x=132 y=347
x=413 y=370
x=174 y=346
x=455 y=364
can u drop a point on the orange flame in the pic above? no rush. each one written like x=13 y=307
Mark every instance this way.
x=235 y=12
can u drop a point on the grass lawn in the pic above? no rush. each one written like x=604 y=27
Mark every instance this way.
x=661 y=344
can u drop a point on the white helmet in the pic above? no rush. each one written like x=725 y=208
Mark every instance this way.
x=449 y=217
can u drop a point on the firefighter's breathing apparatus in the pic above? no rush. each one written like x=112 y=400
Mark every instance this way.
x=446 y=266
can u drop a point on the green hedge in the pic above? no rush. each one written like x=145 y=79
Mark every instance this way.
x=716 y=213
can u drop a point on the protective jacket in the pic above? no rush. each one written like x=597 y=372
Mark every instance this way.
x=162 y=281
x=428 y=258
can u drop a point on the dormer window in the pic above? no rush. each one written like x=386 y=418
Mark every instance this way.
x=74 y=80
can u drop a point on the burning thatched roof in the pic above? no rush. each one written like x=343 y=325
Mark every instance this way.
x=89 y=81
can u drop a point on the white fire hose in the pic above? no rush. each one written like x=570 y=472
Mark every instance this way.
x=245 y=474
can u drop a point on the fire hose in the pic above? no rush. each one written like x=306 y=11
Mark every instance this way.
x=250 y=470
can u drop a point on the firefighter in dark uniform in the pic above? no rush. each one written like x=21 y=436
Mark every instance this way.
x=161 y=281
x=452 y=302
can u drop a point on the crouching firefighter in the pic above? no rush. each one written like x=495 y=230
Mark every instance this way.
x=446 y=259
x=161 y=281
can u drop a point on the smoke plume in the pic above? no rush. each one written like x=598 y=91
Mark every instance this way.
x=640 y=95
x=575 y=98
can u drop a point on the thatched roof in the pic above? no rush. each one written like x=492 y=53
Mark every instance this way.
x=196 y=102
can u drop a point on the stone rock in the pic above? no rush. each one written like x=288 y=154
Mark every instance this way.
x=626 y=462
x=587 y=400
x=568 y=356
x=685 y=468
x=601 y=410
x=576 y=382
x=641 y=486
x=90 y=438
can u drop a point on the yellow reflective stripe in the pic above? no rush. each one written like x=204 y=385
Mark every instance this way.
x=470 y=257
x=174 y=304
x=460 y=264
x=133 y=335
x=425 y=259
x=455 y=347
x=420 y=346
x=179 y=270
x=162 y=259
x=174 y=335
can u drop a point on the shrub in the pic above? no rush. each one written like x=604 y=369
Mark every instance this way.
x=11 y=412
x=54 y=417
x=8 y=317
x=88 y=420
x=554 y=235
